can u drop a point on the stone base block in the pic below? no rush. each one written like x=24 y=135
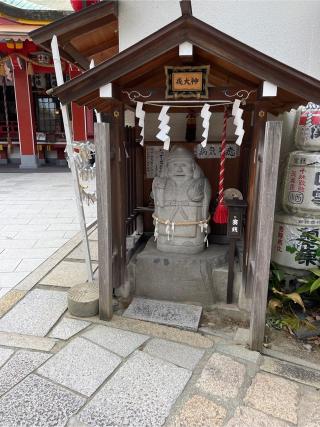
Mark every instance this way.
x=83 y=299
x=29 y=161
x=194 y=278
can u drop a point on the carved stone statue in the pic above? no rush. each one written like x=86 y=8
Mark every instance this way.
x=181 y=197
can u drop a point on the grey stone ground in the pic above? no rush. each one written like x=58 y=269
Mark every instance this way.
x=56 y=370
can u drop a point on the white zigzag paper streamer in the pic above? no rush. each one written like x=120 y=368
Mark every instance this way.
x=238 y=121
x=140 y=114
x=205 y=114
x=164 y=127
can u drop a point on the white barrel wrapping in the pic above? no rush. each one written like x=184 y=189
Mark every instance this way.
x=307 y=136
x=287 y=229
x=301 y=193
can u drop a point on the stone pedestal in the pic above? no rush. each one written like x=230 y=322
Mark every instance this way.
x=196 y=278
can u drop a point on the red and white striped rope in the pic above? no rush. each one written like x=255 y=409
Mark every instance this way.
x=223 y=155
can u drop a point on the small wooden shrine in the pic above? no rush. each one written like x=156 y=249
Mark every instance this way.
x=184 y=66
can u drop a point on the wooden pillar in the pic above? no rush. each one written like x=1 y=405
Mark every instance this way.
x=258 y=134
x=25 y=114
x=265 y=216
x=104 y=215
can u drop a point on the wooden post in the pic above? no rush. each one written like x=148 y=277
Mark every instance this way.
x=103 y=176
x=265 y=216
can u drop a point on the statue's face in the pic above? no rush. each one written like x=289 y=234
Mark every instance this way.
x=181 y=169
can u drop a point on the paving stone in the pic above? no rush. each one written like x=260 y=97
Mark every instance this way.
x=37 y=402
x=67 y=274
x=29 y=264
x=8 y=265
x=94 y=235
x=10 y=339
x=179 y=354
x=81 y=365
x=160 y=331
x=248 y=417
x=293 y=372
x=66 y=328
x=9 y=300
x=239 y=352
x=21 y=364
x=4 y=355
x=167 y=313
x=308 y=412
x=222 y=376
x=36 y=313
x=274 y=395
x=141 y=393
x=9 y=280
x=79 y=254
x=116 y=340
x=199 y=412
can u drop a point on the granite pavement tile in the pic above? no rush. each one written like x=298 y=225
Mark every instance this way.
x=67 y=274
x=291 y=371
x=248 y=417
x=199 y=412
x=308 y=410
x=67 y=327
x=78 y=253
x=116 y=340
x=9 y=300
x=140 y=394
x=36 y=402
x=184 y=316
x=179 y=354
x=10 y=339
x=81 y=366
x=221 y=376
x=274 y=396
x=21 y=364
x=5 y=353
x=36 y=313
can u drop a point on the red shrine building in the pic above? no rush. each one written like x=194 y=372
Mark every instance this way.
x=31 y=128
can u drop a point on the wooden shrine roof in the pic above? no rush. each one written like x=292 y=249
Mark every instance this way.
x=232 y=63
x=89 y=34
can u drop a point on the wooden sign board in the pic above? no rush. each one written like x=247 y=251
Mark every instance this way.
x=187 y=82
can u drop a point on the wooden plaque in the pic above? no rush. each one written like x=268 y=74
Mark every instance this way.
x=187 y=82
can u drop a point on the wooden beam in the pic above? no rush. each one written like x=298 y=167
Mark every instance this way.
x=186 y=8
x=261 y=265
x=78 y=58
x=103 y=173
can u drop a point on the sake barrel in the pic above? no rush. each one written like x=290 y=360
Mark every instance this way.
x=307 y=136
x=287 y=229
x=301 y=193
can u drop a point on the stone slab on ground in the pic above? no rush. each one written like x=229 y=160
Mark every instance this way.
x=221 y=376
x=199 y=412
x=37 y=402
x=5 y=353
x=81 y=366
x=120 y=342
x=10 y=339
x=181 y=355
x=239 y=352
x=308 y=412
x=274 y=396
x=78 y=252
x=241 y=336
x=67 y=327
x=21 y=364
x=291 y=371
x=183 y=316
x=141 y=393
x=248 y=417
x=160 y=331
x=67 y=274
x=36 y=313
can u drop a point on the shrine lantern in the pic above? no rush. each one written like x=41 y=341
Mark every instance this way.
x=82 y=4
